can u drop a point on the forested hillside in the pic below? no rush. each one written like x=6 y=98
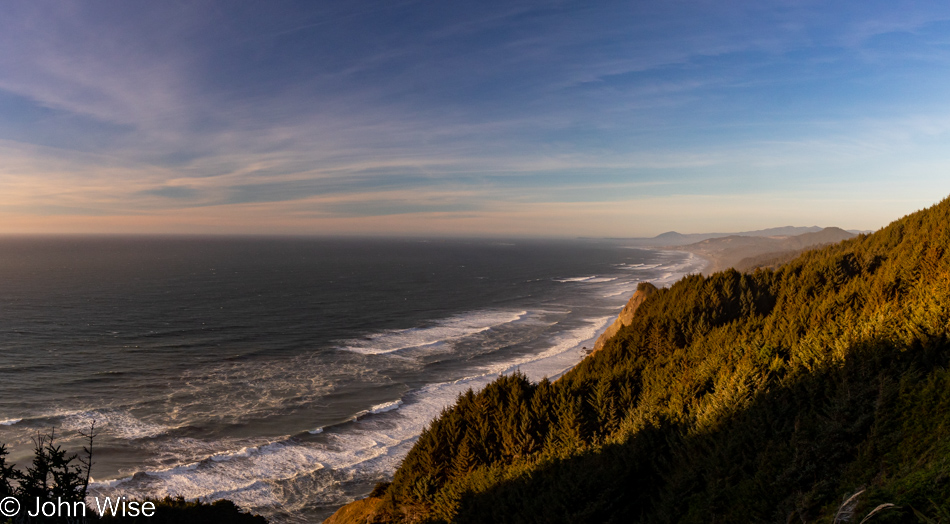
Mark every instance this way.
x=770 y=396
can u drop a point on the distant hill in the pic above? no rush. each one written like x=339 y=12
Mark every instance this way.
x=740 y=251
x=674 y=239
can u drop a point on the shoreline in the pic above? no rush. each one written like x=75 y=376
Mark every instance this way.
x=745 y=253
x=406 y=418
x=582 y=349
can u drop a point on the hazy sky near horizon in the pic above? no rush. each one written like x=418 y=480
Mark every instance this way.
x=470 y=118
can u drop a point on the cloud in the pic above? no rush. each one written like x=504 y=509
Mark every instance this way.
x=628 y=218
x=460 y=115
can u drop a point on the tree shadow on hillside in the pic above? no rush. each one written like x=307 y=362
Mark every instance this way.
x=789 y=456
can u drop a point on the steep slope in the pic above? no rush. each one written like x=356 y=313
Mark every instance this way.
x=644 y=290
x=763 y=397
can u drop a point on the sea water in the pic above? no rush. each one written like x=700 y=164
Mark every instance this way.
x=289 y=375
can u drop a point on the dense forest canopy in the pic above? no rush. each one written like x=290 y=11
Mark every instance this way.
x=770 y=396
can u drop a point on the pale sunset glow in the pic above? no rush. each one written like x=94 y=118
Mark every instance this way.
x=417 y=118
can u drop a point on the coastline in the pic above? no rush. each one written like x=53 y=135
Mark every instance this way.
x=745 y=253
x=711 y=264
x=359 y=509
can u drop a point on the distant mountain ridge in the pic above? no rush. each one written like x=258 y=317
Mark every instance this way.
x=745 y=251
x=673 y=238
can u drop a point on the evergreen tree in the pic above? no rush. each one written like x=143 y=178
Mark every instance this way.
x=7 y=473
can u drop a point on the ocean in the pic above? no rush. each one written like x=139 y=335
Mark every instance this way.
x=287 y=374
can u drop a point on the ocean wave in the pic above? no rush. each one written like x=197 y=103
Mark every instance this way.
x=443 y=331
x=247 y=390
x=377 y=409
x=575 y=279
x=252 y=476
x=638 y=267
x=116 y=423
x=562 y=354
x=617 y=293
x=243 y=476
x=593 y=279
x=385 y=406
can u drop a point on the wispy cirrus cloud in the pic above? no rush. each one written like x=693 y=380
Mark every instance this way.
x=455 y=112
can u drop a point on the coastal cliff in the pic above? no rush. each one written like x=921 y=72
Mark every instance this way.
x=644 y=290
x=362 y=511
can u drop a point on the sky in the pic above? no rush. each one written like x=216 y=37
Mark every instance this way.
x=557 y=118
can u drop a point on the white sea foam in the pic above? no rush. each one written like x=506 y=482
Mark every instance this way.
x=675 y=271
x=446 y=330
x=575 y=279
x=562 y=354
x=251 y=389
x=373 y=445
x=385 y=406
x=245 y=476
x=117 y=423
x=594 y=279
x=637 y=267
x=378 y=408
